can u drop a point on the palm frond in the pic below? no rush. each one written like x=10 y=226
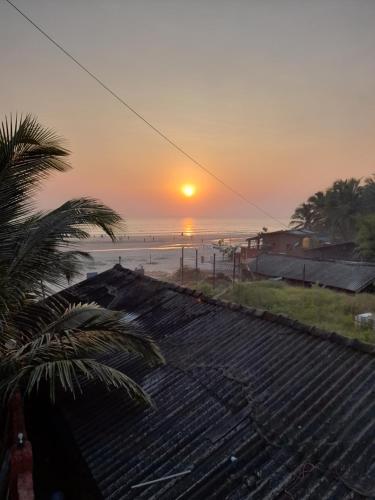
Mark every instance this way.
x=52 y=341
x=68 y=375
x=74 y=219
x=80 y=328
x=48 y=341
x=38 y=251
x=29 y=153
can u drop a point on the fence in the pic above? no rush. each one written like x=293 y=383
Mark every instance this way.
x=184 y=264
x=210 y=267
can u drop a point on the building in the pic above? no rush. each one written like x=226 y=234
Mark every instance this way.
x=248 y=405
x=340 y=275
x=293 y=242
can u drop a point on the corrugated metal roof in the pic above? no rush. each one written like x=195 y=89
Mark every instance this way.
x=253 y=404
x=344 y=275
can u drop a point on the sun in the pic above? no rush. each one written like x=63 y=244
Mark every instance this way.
x=188 y=190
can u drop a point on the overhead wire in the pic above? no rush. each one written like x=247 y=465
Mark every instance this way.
x=141 y=117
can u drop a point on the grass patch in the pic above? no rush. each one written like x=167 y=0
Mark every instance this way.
x=201 y=280
x=316 y=306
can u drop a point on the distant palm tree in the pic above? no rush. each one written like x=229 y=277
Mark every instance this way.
x=336 y=210
x=342 y=206
x=311 y=214
x=51 y=341
x=318 y=205
x=303 y=217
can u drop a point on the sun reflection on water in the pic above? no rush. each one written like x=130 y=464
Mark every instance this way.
x=188 y=225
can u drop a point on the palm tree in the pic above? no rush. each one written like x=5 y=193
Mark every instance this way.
x=342 y=207
x=318 y=204
x=311 y=214
x=51 y=341
x=303 y=217
x=56 y=342
x=336 y=210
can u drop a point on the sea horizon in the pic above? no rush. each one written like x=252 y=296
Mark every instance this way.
x=200 y=226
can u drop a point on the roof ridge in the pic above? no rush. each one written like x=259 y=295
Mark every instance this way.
x=282 y=319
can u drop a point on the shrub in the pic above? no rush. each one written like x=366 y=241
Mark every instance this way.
x=316 y=306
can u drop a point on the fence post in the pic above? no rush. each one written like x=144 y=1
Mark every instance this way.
x=239 y=267
x=214 y=271
x=304 y=275
x=196 y=264
x=182 y=265
x=234 y=266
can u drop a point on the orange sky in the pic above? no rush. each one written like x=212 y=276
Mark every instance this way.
x=275 y=97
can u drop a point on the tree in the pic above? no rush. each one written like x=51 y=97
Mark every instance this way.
x=366 y=236
x=303 y=217
x=342 y=206
x=368 y=196
x=310 y=215
x=51 y=341
x=318 y=204
x=335 y=211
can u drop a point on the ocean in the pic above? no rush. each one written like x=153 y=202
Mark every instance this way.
x=196 y=226
x=157 y=244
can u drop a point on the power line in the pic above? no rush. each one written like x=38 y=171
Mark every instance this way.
x=141 y=117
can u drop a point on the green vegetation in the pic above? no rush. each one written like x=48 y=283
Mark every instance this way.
x=339 y=210
x=198 y=279
x=49 y=341
x=207 y=289
x=366 y=236
x=190 y=275
x=316 y=306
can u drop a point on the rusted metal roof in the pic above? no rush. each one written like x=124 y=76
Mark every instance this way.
x=346 y=250
x=249 y=404
x=290 y=232
x=344 y=275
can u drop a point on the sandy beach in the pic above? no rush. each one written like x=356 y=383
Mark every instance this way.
x=159 y=255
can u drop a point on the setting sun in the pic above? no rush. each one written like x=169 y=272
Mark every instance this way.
x=188 y=190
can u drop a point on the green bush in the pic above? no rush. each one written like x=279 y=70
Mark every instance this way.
x=316 y=306
x=206 y=288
